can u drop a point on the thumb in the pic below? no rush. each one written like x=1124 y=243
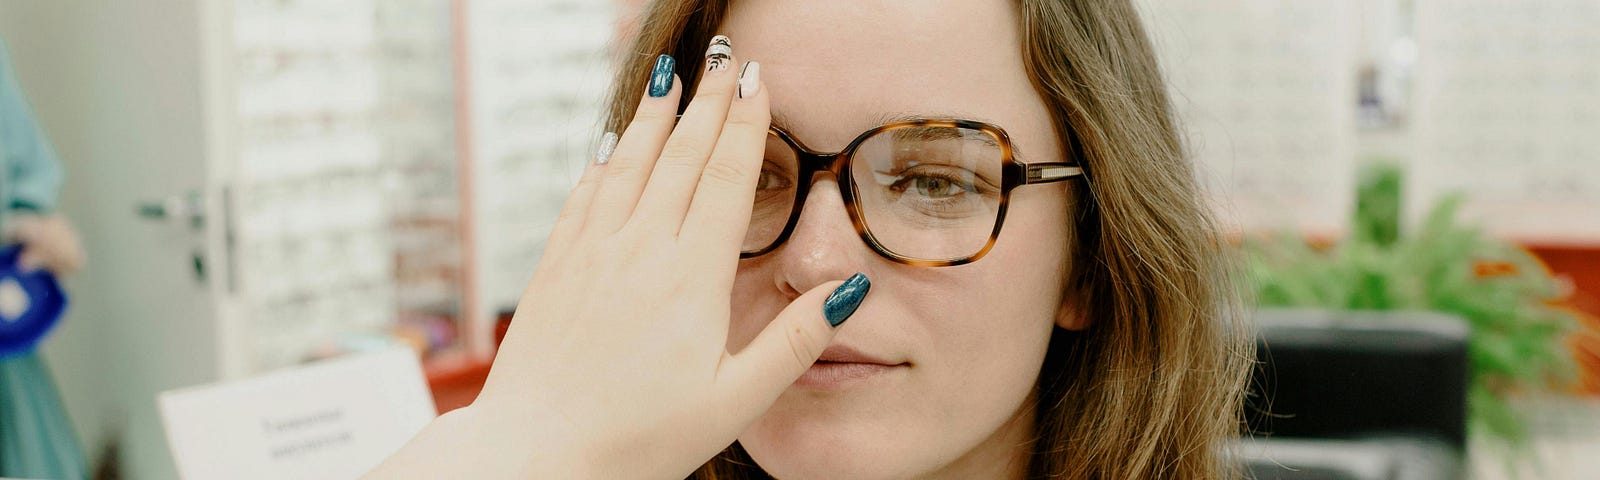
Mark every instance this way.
x=790 y=344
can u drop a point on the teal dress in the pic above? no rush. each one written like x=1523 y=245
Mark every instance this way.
x=36 y=438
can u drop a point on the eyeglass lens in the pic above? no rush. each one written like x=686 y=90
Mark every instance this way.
x=924 y=192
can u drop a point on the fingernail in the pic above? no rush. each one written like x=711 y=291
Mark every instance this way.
x=749 y=79
x=844 y=300
x=718 y=53
x=608 y=144
x=661 y=76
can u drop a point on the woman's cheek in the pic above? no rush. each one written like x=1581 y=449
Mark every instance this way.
x=988 y=353
x=752 y=308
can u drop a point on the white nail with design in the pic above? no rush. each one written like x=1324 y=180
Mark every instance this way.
x=749 y=79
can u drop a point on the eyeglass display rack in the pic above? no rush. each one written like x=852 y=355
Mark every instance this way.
x=1507 y=106
x=1268 y=111
x=396 y=166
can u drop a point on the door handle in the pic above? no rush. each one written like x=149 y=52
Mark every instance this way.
x=186 y=209
x=177 y=209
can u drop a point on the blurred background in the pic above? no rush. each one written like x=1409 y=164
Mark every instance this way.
x=1412 y=184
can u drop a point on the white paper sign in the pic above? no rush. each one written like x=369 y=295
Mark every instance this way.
x=335 y=419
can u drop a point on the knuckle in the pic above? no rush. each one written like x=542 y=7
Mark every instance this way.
x=570 y=213
x=719 y=93
x=584 y=188
x=617 y=169
x=724 y=171
x=652 y=115
x=567 y=215
x=635 y=239
x=681 y=152
x=621 y=248
x=677 y=166
x=749 y=121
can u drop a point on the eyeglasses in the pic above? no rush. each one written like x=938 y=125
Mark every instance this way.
x=929 y=193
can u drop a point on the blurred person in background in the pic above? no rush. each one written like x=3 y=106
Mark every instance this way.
x=36 y=438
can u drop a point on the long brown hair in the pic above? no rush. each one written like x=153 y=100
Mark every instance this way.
x=1153 y=387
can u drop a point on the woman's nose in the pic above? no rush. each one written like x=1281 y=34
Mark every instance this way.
x=824 y=245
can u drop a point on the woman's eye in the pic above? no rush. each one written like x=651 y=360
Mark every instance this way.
x=771 y=180
x=938 y=187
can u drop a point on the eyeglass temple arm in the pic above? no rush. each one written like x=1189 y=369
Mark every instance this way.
x=1046 y=172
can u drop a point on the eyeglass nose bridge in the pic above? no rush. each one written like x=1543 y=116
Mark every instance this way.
x=810 y=163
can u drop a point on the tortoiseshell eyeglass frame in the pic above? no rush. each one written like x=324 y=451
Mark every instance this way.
x=1013 y=174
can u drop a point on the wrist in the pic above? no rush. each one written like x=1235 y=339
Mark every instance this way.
x=512 y=442
x=480 y=442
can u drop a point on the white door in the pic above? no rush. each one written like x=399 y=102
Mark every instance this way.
x=119 y=88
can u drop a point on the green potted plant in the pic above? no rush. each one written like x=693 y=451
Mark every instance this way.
x=1440 y=264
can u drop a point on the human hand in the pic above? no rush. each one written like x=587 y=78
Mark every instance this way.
x=615 y=365
x=48 y=242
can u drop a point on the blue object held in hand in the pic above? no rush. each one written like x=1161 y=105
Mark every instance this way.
x=31 y=304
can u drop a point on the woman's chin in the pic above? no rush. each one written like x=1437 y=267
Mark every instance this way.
x=822 y=446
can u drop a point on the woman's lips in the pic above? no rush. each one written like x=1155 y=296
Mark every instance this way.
x=842 y=366
x=825 y=375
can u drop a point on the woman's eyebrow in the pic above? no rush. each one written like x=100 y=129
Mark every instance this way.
x=782 y=123
x=887 y=118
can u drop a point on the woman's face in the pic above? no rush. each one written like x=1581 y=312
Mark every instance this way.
x=970 y=339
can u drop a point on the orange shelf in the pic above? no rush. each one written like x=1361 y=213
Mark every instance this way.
x=456 y=377
x=1579 y=265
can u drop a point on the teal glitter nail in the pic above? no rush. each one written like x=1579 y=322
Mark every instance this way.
x=844 y=300
x=661 y=76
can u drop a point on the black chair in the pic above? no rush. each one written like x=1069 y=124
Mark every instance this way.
x=1358 y=395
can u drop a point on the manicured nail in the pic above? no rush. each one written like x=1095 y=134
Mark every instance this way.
x=719 y=53
x=749 y=79
x=844 y=300
x=608 y=145
x=661 y=76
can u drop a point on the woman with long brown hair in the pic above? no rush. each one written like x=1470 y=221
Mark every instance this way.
x=1048 y=297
